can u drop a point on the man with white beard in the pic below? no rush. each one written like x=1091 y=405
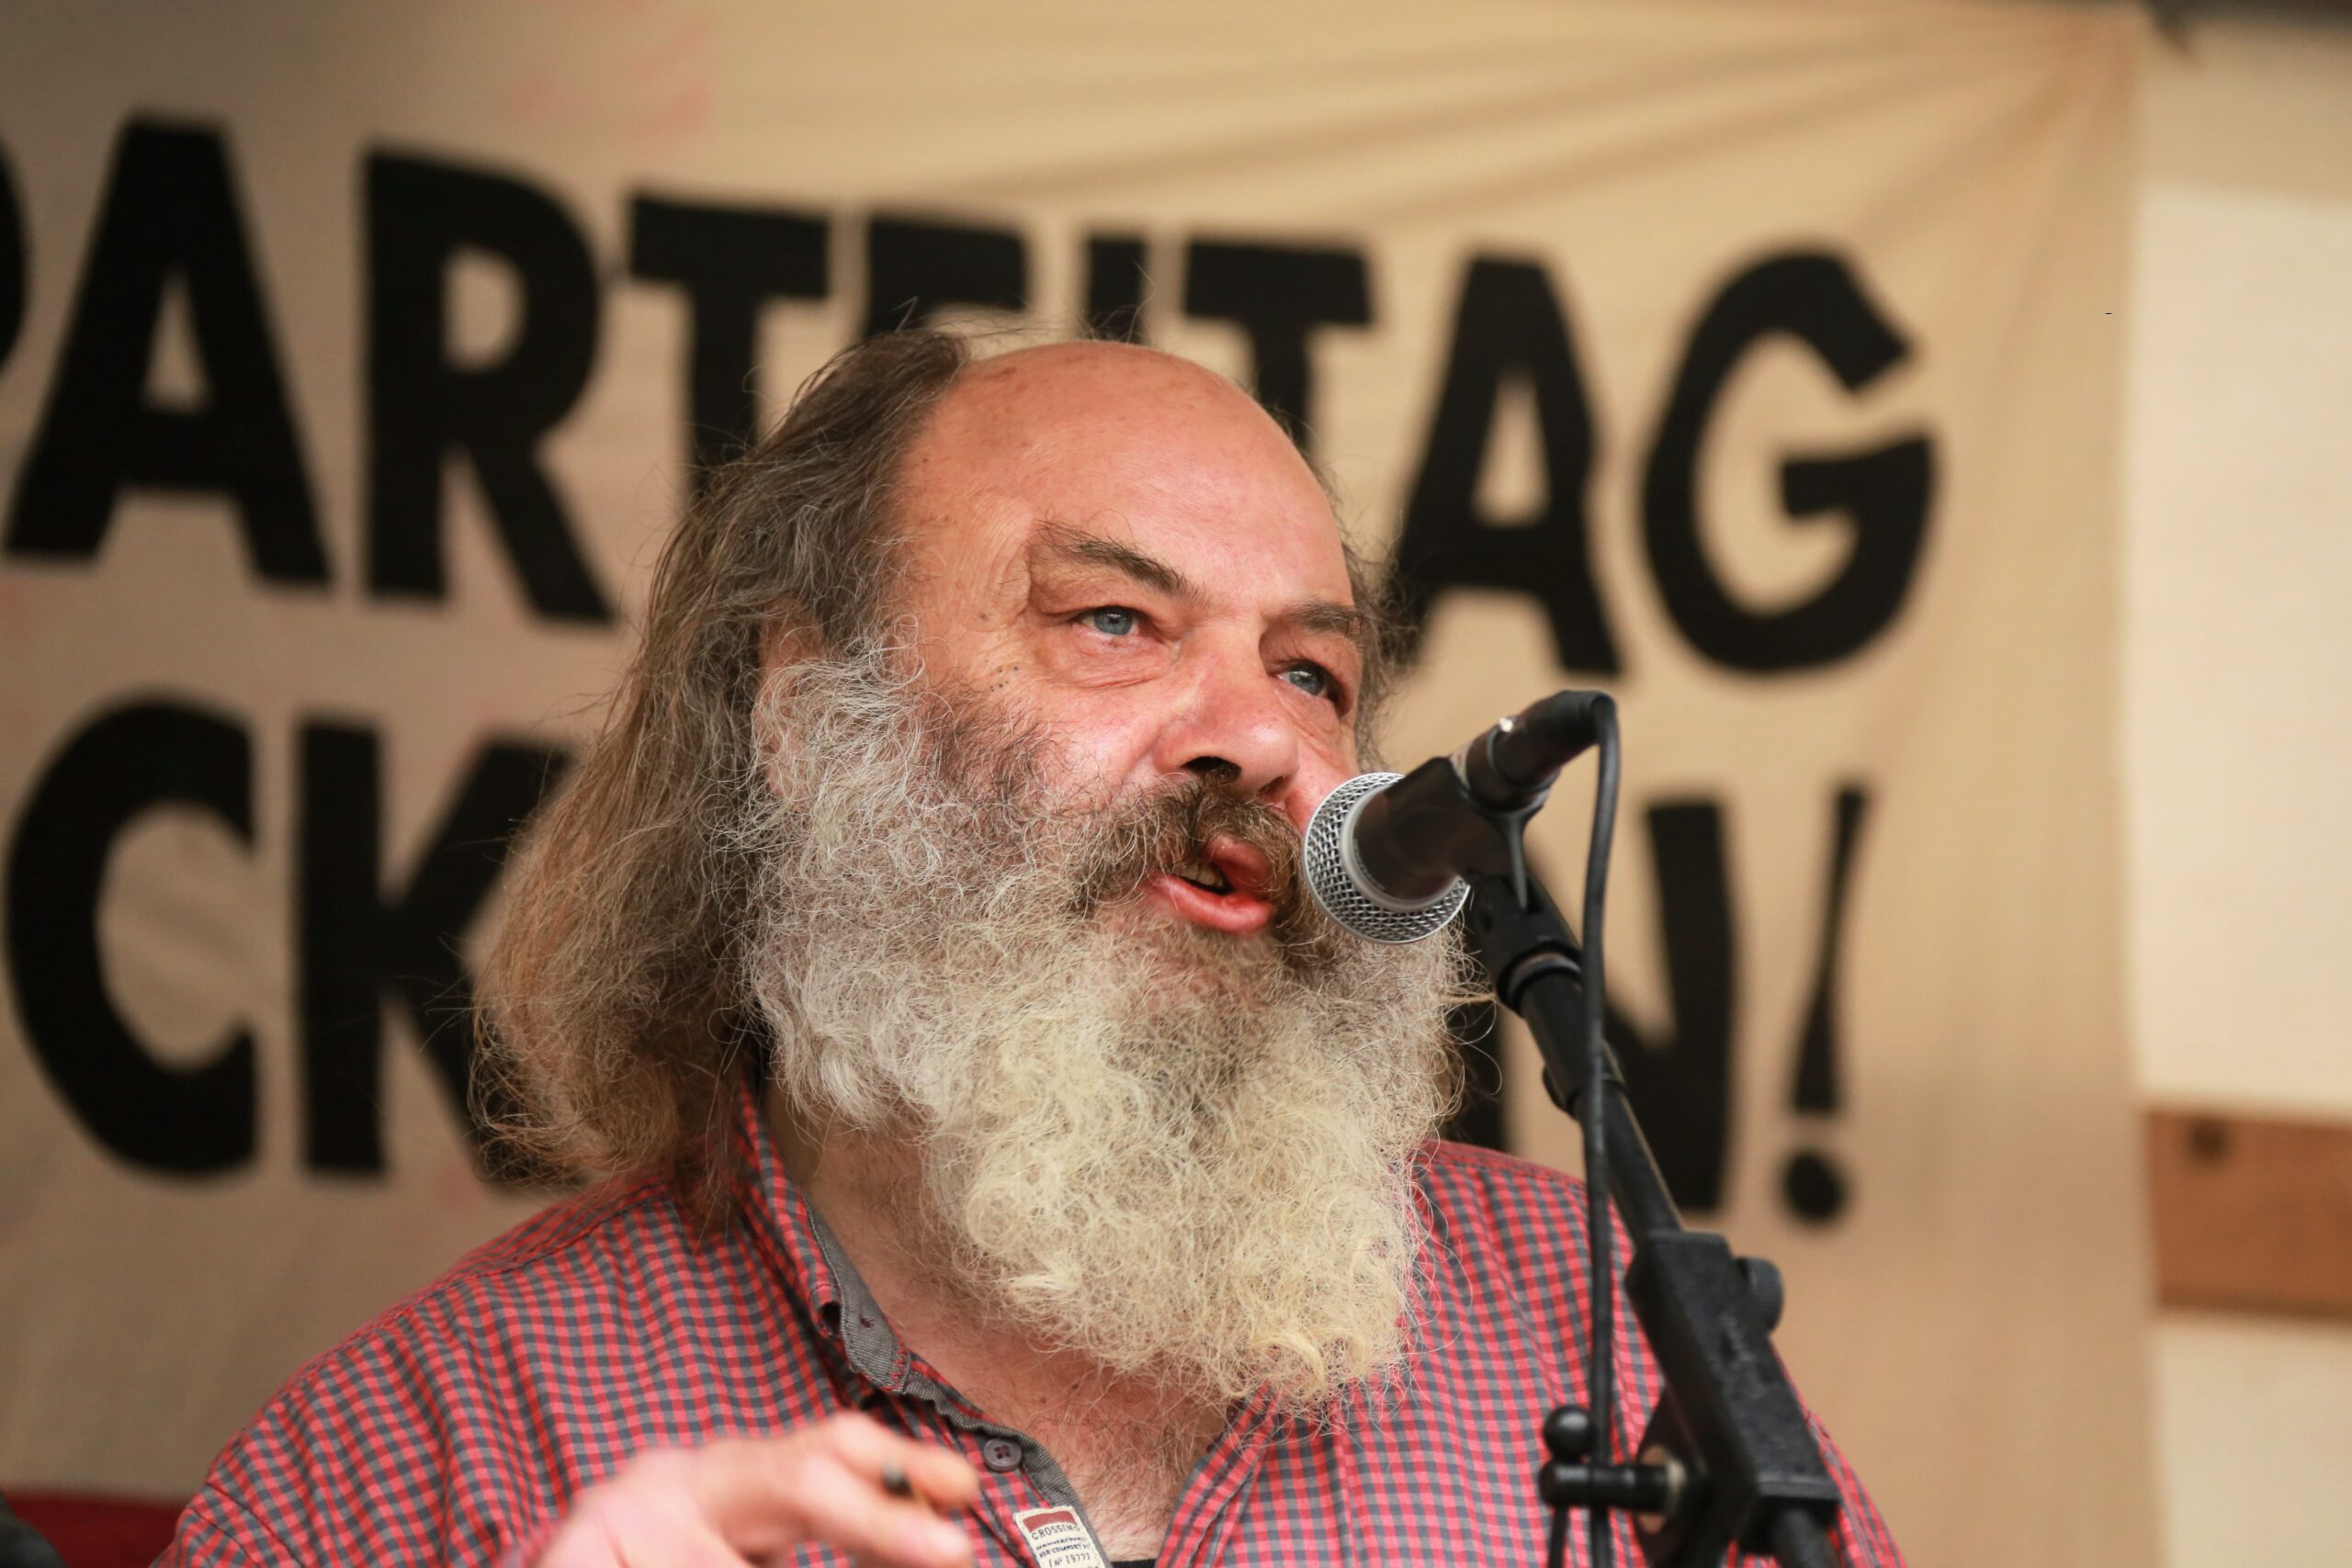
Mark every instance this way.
x=1009 y=1162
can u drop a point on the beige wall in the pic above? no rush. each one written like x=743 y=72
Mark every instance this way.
x=2237 y=731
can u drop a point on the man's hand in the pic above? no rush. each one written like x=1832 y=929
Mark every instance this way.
x=745 y=1500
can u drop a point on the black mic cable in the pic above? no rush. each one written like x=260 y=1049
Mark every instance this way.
x=1600 y=1236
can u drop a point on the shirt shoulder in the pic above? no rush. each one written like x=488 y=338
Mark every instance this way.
x=1487 y=1194
x=1467 y=1162
x=1505 y=1239
x=591 y=1246
x=427 y=1430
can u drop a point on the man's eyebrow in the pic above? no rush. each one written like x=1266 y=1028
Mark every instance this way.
x=1093 y=549
x=1328 y=618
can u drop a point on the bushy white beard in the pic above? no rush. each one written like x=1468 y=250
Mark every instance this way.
x=1183 y=1155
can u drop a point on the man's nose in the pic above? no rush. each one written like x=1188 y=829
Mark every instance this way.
x=1232 y=727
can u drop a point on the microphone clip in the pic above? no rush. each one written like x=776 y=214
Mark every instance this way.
x=1511 y=766
x=1416 y=838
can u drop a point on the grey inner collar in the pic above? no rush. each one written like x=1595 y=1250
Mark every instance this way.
x=874 y=1349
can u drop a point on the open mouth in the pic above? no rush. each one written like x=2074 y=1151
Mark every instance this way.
x=1223 y=886
x=1205 y=875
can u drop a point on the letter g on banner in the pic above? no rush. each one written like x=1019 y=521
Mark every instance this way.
x=1882 y=494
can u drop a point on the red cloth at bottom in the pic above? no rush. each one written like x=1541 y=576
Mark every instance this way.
x=99 y=1532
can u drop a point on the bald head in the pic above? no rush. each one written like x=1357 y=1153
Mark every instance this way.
x=1098 y=397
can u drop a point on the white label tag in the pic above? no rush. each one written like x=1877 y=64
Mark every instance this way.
x=1059 y=1539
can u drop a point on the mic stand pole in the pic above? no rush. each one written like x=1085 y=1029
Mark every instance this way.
x=1729 y=1459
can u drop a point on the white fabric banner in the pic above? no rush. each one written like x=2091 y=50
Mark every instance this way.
x=1754 y=359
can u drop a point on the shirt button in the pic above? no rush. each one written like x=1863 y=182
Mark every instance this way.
x=1002 y=1455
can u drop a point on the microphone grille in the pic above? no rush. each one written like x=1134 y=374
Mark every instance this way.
x=1338 y=883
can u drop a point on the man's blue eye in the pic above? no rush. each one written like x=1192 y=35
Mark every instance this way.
x=1308 y=678
x=1111 y=620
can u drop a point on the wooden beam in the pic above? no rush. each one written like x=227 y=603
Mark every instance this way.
x=2251 y=1212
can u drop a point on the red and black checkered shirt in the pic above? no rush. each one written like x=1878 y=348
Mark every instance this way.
x=457 y=1427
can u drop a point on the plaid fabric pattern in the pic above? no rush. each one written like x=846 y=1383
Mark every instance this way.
x=456 y=1427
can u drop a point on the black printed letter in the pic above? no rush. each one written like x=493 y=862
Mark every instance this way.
x=915 y=270
x=12 y=262
x=423 y=405
x=730 y=260
x=1279 y=294
x=1509 y=325
x=182 y=1118
x=1881 y=495
x=170 y=214
x=357 y=940
x=1117 y=278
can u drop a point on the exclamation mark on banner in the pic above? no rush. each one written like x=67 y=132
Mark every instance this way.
x=1814 y=1186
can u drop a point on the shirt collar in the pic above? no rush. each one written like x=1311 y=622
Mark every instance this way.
x=804 y=1250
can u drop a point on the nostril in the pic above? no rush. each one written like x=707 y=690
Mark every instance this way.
x=1216 y=770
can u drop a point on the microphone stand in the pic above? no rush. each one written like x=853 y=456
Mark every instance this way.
x=1729 y=1458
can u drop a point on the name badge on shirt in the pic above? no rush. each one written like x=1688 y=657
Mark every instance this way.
x=1059 y=1539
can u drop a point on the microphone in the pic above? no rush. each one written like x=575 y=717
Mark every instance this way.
x=1386 y=853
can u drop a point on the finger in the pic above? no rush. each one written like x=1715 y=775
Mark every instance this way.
x=940 y=1476
x=636 y=1526
x=943 y=1477
x=770 y=1495
x=678 y=1537
x=849 y=1512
